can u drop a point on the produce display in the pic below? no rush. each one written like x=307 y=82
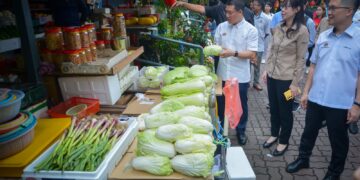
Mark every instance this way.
x=146 y=21
x=84 y=146
x=178 y=130
x=151 y=77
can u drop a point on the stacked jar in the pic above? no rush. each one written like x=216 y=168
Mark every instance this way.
x=54 y=43
x=119 y=25
x=72 y=38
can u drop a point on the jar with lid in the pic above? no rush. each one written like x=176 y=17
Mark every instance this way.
x=54 y=38
x=93 y=51
x=107 y=44
x=57 y=58
x=84 y=36
x=72 y=56
x=106 y=33
x=88 y=54
x=92 y=32
x=119 y=25
x=46 y=55
x=72 y=38
x=82 y=53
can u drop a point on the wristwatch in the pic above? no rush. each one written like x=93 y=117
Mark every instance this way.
x=236 y=54
x=357 y=103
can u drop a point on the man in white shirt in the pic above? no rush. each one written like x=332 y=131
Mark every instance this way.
x=239 y=40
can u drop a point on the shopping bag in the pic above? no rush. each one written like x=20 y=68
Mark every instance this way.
x=233 y=108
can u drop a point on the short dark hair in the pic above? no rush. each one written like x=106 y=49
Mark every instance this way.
x=238 y=4
x=261 y=2
x=269 y=4
x=353 y=3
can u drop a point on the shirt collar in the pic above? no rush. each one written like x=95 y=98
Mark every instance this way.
x=293 y=27
x=350 y=31
x=238 y=25
x=260 y=14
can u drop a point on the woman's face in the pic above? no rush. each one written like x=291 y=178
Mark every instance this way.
x=267 y=8
x=288 y=12
x=319 y=12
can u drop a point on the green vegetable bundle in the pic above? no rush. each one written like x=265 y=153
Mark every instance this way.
x=84 y=146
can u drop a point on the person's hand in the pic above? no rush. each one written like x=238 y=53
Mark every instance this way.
x=264 y=77
x=304 y=101
x=253 y=60
x=294 y=90
x=226 y=53
x=353 y=114
x=179 y=4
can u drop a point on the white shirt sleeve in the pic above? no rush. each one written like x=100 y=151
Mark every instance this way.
x=252 y=40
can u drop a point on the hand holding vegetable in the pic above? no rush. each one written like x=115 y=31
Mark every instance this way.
x=227 y=53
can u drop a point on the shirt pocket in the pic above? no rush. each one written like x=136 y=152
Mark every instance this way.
x=324 y=50
x=347 y=55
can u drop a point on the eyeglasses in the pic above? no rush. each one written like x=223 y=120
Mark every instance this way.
x=333 y=8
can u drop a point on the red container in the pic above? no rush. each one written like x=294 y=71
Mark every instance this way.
x=170 y=3
x=59 y=111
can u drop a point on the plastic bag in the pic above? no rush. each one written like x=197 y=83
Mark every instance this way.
x=233 y=108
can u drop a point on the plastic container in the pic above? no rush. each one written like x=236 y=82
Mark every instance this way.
x=9 y=110
x=18 y=139
x=84 y=36
x=46 y=55
x=105 y=168
x=92 y=32
x=93 y=51
x=13 y=124
x=106 y=33
x=72 y=38
x=82 y=54
x=59 y=111
x=54 y=38
x=72 y=56
x=47 y=131
x=119 y=25
x=88 y=53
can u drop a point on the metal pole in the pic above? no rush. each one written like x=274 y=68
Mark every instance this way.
x=28 y=45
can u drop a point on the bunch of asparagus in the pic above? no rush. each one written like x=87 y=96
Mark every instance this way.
x=84 y=146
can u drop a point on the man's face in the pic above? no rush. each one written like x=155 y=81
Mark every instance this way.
x=257 y=6
x=338 y=13
x=232 y=15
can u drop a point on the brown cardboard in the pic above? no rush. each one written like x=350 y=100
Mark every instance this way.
x=132 y=148
x=135 y=108
x=125 y=171
x=153 y=91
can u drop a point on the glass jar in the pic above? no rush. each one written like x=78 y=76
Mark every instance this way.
x=93 y=51
x=88 y=53
x=84 y=36
x=46 y=55
x=72 y=38
x=54 y=38
x=119 y=25
x=106 y=33
x=72 y=56
x=82 y=54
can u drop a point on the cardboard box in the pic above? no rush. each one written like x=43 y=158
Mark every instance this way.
x=132 y=148
x=135 y=107
x=125 y=171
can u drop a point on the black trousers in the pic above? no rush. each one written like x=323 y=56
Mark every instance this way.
x=281 y=115
x=337 y=130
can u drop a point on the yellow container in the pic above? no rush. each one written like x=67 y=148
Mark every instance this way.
x=47 y=131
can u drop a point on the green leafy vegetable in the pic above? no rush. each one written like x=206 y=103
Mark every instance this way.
x=212 y=50
x=197 y=125
x=167 y=106
x=157 y=165
x=173 y=132
x=159 y=119
x=148 y=144
x=183 y=88
x=197 y=164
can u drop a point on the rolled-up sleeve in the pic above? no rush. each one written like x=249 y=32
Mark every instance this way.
x=252 y=40
x=301 y=46
x=315 y=54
